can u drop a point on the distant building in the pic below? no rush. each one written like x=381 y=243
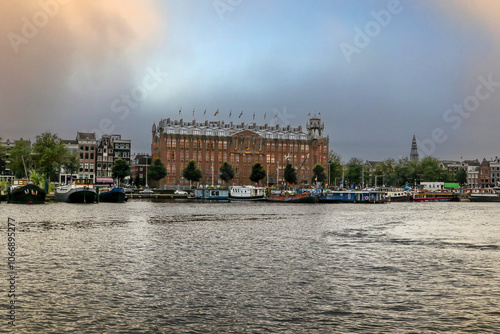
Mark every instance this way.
x=105 y=157
x=86 y=149
x=484 y=174
x=495 y=172
x=414 y=150
x=473 y=177
x=210 y=144
x=140 y=163
x=109 y=149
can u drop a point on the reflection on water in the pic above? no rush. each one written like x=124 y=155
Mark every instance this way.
x=174 y=267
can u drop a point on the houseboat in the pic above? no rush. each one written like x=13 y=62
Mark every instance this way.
x=297 y=196
x=398 y=195
x=210 y=194
x=23 y=191
x=112 y=195
x=490 y=196
x=346 y=196
x=80 y=191
x=433 y=196
x=247 y=193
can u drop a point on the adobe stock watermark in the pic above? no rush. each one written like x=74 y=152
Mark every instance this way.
x=372 y=29
x=126 y=102
x=223 y=6
x=455 y=116
x=31 y=26
x=283 y=116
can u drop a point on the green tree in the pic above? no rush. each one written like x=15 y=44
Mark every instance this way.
x=319 y=174
x=354 y=171
x=71 y=163
x=120 y=169
x=138 y=181
x=336 y=166
x=258 y=172
x=432 y=170
x=157 y=170
x=3 y=152
x=21 y=151
x=290 y=174
x=226 y=172
x=461 y=176
x=49 y=153
x=192 y=173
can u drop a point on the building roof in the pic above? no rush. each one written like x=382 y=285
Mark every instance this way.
x=220 y=128
x=85 y=136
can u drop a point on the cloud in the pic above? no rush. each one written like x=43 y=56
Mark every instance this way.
x=55 y=53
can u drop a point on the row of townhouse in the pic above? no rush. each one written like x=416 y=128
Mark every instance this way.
x=480 y=175
x=97 y=156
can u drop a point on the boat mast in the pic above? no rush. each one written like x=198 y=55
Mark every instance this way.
x=25 y=172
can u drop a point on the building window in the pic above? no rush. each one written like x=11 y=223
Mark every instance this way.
x=91 y=156
x=110 y=150
x=86 y=155
x=99 y=158
x=99 y=150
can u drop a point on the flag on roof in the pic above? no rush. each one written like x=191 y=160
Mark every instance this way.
x=217 y=112
x=204 y=112
x=240 y=114
x=230 y=113
x=254 y=115
x=180 y=111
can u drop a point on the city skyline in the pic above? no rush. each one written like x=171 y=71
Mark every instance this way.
x=376 y=72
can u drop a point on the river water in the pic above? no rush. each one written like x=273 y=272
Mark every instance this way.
x=188 y=267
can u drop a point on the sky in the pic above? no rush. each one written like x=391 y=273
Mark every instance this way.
x=376 y=72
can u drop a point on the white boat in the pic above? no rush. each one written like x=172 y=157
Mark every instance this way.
x=247 y=193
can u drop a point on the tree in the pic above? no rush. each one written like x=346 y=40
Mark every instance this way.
x=71 y=163
x=290 y=174
x=335 y=163
x=319 y=174
x=355 y=170
x=192 y=173
x=138 y=181
x=3 y=152
x=157 y=170
x=121 y=169
x=461 y=176
x=49 y=153
x=226 y=172
x=20 y=156
x=258 y=173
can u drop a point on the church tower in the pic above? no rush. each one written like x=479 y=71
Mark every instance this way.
x=414 y=150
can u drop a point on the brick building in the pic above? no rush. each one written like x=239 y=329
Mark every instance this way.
x=86 y=150
x=212 y=143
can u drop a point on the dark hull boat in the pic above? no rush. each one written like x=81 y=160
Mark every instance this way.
x=81 y=191
x=485 y=198
x=76 y=195
x=25 y=193
x=113 y=195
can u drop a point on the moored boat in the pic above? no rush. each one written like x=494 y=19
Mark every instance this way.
x=80 y=191
x=293 y=197
x=349 y=196
x=217 y=194
x=433 y=196
x=112 y=195
x=398 y=195
x=247 y=193
x=23 y=191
